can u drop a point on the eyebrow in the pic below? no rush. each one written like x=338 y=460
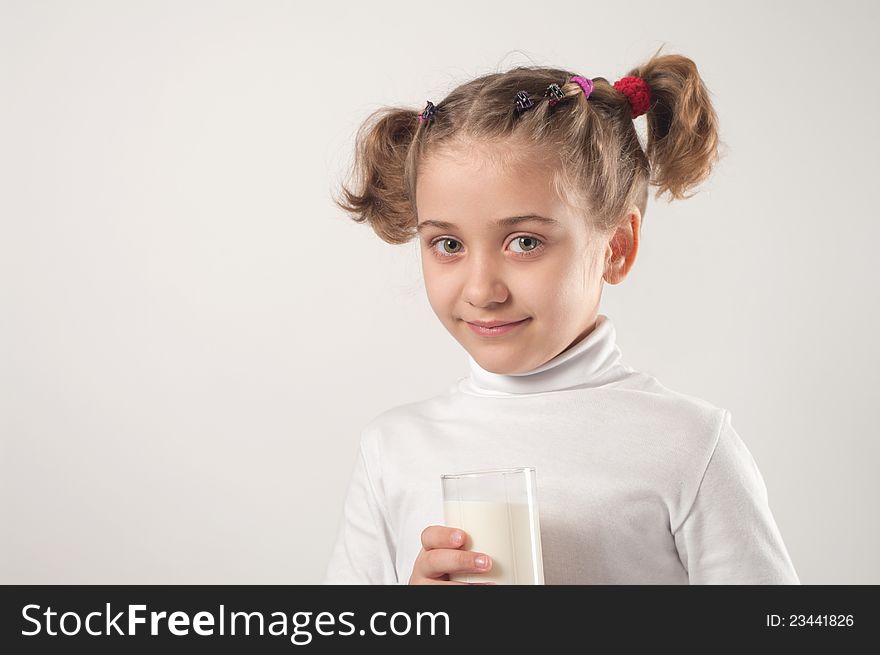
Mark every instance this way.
x=502 y=222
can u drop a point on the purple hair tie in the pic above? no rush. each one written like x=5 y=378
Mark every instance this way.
x=585 y=83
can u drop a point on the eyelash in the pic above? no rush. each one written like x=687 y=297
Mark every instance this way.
x=528 y=254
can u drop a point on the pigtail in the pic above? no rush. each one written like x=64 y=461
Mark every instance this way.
x=682 y=134
x=377 y=193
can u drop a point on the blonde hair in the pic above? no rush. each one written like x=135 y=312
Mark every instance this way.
x=591 y=144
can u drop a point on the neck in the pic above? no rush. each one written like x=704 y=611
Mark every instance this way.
x=592 y=361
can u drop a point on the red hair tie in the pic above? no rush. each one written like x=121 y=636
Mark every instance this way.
x=637 y=92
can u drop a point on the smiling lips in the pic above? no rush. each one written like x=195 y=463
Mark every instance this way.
x=495 y=328
x=492 y=323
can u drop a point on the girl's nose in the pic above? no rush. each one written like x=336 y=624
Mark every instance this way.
x=485 y=285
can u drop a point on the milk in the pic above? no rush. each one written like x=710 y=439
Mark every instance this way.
x=506 y=532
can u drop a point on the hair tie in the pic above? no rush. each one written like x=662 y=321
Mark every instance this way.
x=637 y=92
x=584 y=82
x=429 y=111
x=522 y=102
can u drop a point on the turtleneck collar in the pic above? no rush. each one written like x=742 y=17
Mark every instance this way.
x=592 y=362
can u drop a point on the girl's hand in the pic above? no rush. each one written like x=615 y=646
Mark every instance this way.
x=441 y=555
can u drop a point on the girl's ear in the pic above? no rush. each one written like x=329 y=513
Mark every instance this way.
x=622 y=248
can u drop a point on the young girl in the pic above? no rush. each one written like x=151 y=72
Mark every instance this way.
x=526 y=191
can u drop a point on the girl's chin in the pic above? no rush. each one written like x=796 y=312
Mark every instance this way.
x=509 y=363
x=502 y=369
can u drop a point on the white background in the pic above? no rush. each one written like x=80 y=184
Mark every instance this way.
x=193 y=336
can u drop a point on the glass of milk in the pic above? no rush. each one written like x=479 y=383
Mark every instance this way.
x=498 y=509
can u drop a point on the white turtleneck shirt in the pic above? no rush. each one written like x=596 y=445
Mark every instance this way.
x=636 y=483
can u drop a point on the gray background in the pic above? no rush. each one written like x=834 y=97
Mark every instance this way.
x=193 y=335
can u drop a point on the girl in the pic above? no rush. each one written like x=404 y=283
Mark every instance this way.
x=526 y=191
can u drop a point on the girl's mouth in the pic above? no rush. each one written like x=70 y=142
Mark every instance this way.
x=497 y=331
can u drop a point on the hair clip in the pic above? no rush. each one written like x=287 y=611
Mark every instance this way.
x=554 y=92
x=429 y=111
x=523 y=102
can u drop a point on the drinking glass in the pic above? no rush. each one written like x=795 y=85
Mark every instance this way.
x=498 y=510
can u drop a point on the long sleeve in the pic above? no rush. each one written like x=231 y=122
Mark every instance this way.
x=729 y=536
x=364 y=550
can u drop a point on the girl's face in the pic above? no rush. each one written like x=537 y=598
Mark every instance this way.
x=480 y=264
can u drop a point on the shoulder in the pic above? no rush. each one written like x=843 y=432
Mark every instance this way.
x=660 y=400
x=690 y=434
x=408 y=418
x=686 y=422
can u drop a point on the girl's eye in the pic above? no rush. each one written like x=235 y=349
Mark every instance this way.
x=445 y=242
x=528 y=243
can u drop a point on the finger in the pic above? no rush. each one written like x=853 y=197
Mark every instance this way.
x=438 y=561
x=436 y=581
x=441 y=536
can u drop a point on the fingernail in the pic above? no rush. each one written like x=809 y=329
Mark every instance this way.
x=457 y=538
x=482 y=562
